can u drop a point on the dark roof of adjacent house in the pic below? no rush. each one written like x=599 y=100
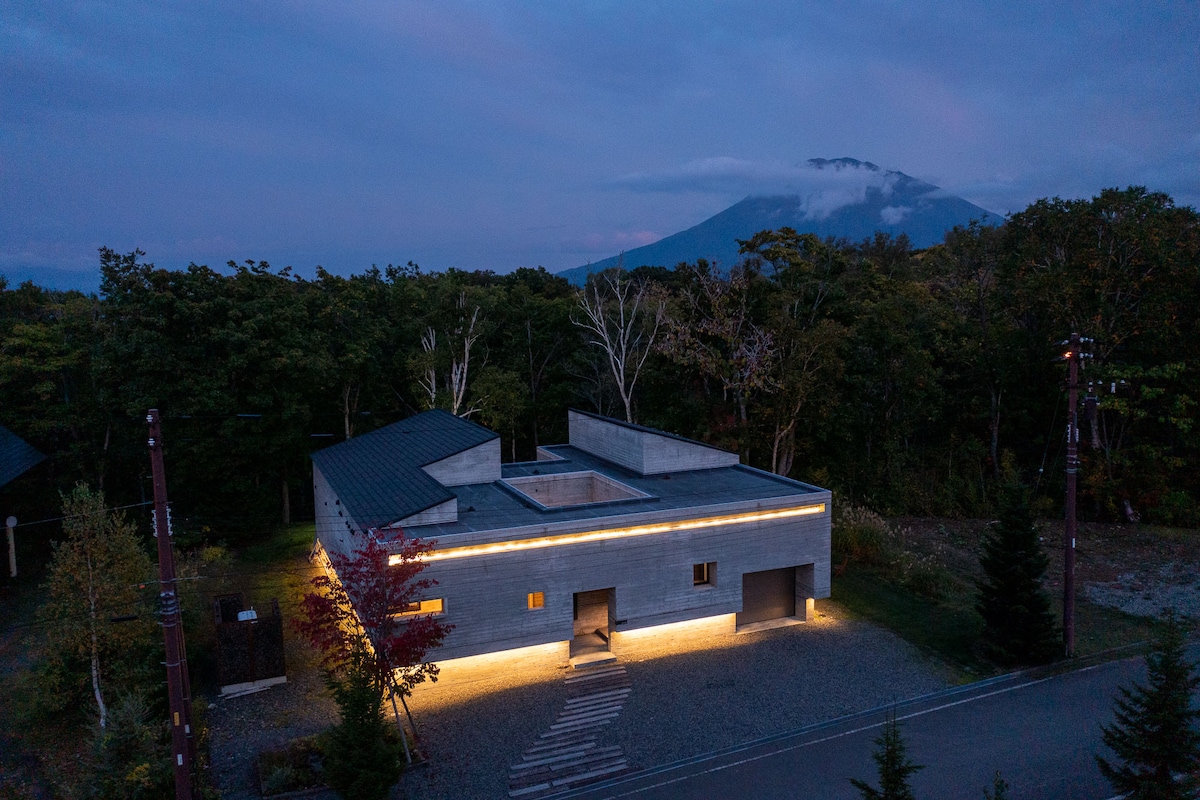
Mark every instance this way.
x=378 y=475
x=16 y=456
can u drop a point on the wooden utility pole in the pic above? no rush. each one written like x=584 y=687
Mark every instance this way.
x=178 y=684
x=1073 y=357
x=9 y=524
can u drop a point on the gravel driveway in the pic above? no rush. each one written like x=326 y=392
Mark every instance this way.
x=684 y=702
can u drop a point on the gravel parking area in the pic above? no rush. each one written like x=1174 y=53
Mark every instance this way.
x=685 y=701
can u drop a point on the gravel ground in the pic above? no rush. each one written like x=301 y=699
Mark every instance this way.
x=1175 y=586
x=243 y=727
x=760 y=684
x=685 y=701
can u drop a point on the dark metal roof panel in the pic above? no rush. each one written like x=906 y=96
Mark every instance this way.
x=378 y=475
x=16 y=456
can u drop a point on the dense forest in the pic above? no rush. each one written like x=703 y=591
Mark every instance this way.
x=914 y=382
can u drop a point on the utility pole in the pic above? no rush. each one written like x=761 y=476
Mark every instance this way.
x=1073 y=357
x=9 y=524
x=178 y=684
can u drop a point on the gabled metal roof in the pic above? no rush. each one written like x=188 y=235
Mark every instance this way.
x=16 y=456
x=378 y=476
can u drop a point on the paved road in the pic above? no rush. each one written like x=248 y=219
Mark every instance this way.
x=1039 y=730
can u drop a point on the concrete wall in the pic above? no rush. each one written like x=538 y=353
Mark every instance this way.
x=572 y=488
x=642 y=451
x=486 y=595
x=337 y=531
x=480 y=464
x=444 y=512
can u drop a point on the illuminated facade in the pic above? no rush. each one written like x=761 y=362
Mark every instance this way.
x=621 y=530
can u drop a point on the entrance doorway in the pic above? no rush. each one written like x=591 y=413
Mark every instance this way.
x=595 y=612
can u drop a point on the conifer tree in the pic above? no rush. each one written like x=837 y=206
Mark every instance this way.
x=999 y=790
x=1155 y=738
x=1019 y=627
x=362 y=752
x=895 y=767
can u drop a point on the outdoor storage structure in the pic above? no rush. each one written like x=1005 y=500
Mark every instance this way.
x=249 y=646
x=623 y=529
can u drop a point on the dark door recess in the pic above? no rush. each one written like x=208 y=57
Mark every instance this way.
x=770 y=594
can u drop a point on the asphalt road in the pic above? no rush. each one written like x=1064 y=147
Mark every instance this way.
x=1039 y=729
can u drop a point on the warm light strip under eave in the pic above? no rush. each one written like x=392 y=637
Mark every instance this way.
x=616 y=533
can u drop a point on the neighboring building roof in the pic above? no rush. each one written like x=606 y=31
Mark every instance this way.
x=378 y=475
x=16 y=456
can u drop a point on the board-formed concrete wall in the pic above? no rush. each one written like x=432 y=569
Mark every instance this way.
x=642 y=451
x=336 y=530
x=486 y=595
x=441 y=513
x=480 y=464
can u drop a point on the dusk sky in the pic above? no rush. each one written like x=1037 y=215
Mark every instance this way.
x=501 y=135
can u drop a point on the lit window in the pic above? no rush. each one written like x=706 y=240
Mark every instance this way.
x=704 y=574
x=435 y=606
x=536 y=600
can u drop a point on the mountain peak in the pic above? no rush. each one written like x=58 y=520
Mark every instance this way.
x=843 y=198
x=842 y=163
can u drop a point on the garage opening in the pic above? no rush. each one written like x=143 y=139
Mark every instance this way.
x=767 y=595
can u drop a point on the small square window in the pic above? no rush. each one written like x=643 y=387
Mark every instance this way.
x=704 y=574
x=536 y=600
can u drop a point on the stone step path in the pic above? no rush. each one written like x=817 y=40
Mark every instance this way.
x=568 y=754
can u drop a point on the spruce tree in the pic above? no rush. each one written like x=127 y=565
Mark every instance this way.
x=895 y=767
x=1019 y=627
x=999 y=790
x=362 y=752
x=1155 y=738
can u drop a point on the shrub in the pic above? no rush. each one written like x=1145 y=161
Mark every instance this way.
x=859 y=535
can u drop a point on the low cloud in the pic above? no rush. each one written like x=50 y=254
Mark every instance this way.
x=894 y=215
x=612 y=241
x=822 y=186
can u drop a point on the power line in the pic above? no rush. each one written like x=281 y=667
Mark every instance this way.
x=89 y=514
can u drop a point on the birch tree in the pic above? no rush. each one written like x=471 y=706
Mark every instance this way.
x=622 y=317
x=445 y=365
x=95 y=575
x=714 y=330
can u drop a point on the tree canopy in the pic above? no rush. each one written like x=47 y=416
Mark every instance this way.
x=900 y=378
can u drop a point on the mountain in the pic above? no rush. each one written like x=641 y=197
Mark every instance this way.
x=840 y=197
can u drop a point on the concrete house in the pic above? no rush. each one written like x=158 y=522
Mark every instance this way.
x=623 y=532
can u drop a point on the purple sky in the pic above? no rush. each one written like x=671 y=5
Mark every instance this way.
x=499 y=135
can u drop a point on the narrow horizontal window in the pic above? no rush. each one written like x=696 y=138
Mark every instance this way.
x=418 y=607
x=536 y=600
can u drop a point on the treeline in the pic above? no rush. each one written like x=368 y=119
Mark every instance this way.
x=915 y=382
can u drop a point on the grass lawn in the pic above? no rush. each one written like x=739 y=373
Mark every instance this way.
x=950 y=629
x=947 y=629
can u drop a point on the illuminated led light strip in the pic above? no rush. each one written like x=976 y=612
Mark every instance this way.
x=616 y=533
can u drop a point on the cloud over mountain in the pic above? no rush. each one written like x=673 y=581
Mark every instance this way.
x=823 y=186
x=842 y=198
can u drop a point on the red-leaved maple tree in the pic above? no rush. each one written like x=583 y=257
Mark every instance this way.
x=357 y=609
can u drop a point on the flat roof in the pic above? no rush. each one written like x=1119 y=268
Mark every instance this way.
x=491 y=506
